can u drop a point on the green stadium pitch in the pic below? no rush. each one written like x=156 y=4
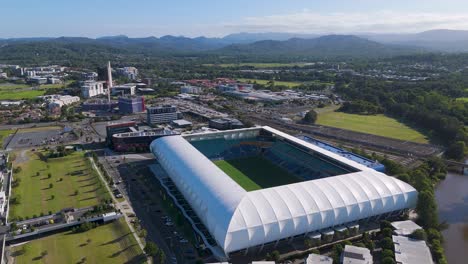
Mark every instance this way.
x=254 y=173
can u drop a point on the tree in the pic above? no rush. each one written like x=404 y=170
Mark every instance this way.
x=427 y=210
x=388 y=260
x=52 y=197
x=76 y=192
x=51 y=185
x=419 y=234
x=17 y=170
x=44 y=253
x=387 y=232
x=456 y=150
x=143 y=233
x=151 y=249
x=336 y=253
x=387 y=253
x=310 y=117
x=49 y=175
x=386 y=243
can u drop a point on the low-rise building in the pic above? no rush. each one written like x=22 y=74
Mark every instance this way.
x=181 y=123
x=124 y=89
x=318 y=259
x=356 y=255
x=225 y=123
x=411 y=251
x=405 y=228
x=128 y=72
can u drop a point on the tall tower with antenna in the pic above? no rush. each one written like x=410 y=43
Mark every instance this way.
x=109 y=83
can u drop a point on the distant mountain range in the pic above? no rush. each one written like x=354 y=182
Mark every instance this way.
x=248 y=44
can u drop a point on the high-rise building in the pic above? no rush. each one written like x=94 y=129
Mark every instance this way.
x=91 y=89
x=162 y=114
x=130 y=105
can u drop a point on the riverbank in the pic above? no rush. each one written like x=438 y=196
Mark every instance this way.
x=452 y=200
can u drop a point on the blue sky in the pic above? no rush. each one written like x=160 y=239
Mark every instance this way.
x=137 y=18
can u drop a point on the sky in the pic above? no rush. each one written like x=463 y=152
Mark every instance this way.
x=217 y=18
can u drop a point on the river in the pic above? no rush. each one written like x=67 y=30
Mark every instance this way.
x=452 y=200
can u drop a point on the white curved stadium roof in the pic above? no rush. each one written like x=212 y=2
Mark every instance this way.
x=238 y=219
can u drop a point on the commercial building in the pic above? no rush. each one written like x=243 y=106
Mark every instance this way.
x=99 y=105
x=356 y=255
x=130 y=105
x=225 y=123
x=91 y=88
x=315 y=189
x=56 y=102
x=411 y=251
x=162 y=114
x=191 y=89
x=181 y=123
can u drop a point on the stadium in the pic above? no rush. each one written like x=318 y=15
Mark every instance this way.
x=251 y=187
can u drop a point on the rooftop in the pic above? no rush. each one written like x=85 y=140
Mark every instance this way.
x=411 y=251
x=318 y=259
x=356 y=255
x=405 y=228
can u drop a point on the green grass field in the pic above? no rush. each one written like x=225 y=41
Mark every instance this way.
x=255 y=173
x=36 y=195
x=4 y=134
x=264 y=82
x=10 y=91
x=463 y=99
x=372 y=124
x=110 y=243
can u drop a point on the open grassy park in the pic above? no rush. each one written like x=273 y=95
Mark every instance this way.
x=372 y=124
x=110 y=243
x=72 y=183
x=10 y=91
x=255 y=173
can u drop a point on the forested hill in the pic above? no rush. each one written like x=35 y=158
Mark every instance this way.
x=322 y=47
x=71 y=50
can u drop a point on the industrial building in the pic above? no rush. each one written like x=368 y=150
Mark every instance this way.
x=411 y=251
x=315 y=190
x=91 y=89
x=130 y=105
x=162 y=114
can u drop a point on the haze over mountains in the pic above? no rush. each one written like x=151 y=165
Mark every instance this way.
x=248 y=44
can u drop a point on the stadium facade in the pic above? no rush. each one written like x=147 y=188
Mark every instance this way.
x=332 y=190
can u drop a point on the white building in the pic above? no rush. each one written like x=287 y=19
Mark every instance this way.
x=128 y=72
x=405 y=228
x=356 y=255
x=318 y=259
x=91 y=88
x=3 y=203
x=238 y=219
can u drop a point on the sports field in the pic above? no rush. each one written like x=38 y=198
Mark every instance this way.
x=110 y=243
x=372 y=124
x=255 y=173
x=265 y=82
x=74 y=184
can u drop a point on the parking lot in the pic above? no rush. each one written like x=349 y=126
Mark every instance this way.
x=34 y=138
